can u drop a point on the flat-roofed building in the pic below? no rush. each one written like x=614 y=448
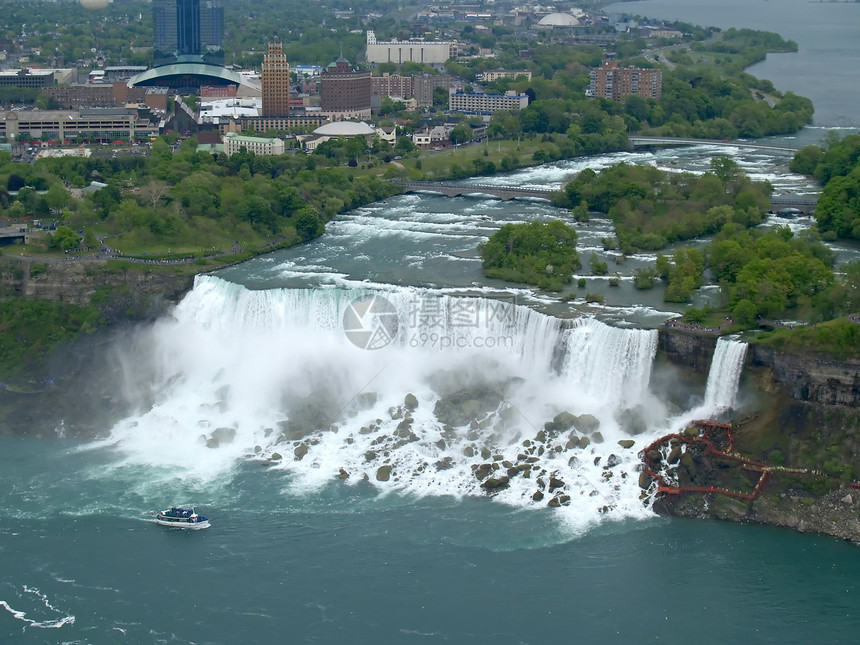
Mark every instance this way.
x=32 y=78
x=105 y=95
x=409 y=51
x=487 y=103
x=234 y=142
x=391 y=85
x=67 y=125
x=610 y=81
x=495 y=75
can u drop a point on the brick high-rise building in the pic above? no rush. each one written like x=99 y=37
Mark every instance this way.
x=275 y=79
x=345 y=91
x=612 y=82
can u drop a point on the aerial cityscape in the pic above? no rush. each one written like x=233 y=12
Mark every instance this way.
x=387 y=322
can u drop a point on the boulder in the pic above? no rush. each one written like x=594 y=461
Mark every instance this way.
x=538 y=496
x=342 y=474
x=692 y=432
x=597 y=437
x=468 y=451
x=496 y=483
x=444 y=464
x=626 y=443
x=224 y=435
x=612 y=461
x=572 y=443
x=212 y=442
x=410 y=402
x=633 y=420
x=276 y=456
x=674 y=454
x=587 y=423
x=644 y=480
x=584 y=442
x=564 y=421
x=483 y=471
x=301 y=450
x=554 y=483
x=370 y=455
x=383 y=473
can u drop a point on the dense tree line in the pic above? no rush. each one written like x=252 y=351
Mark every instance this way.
x=188 y=200
x=539 y=253
x=769 y=273
x=652 y=208
x=837 y=166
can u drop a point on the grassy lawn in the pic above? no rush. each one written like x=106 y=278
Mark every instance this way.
x=839 y=338
x=438 y=163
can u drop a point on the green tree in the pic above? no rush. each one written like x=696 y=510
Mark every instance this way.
x=65 y=239
x=308 y=224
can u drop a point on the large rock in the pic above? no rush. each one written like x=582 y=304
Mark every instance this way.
x=626 y=443
x=224 y=435
x=483 y=471
x=410 y=402
x=587 y=423
x=633 y=420
x=496 y=483
x=564 y=421
x=300 y=451
x=383 y=473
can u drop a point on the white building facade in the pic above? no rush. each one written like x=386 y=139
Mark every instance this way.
x=409 y=51
x=258 y=145
x=487 y=103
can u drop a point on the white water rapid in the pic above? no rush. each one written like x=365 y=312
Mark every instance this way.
x=459 y=393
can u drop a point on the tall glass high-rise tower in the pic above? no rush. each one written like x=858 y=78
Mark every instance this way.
x=188 y=31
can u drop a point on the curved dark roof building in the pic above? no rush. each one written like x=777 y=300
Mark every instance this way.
x=186 y=75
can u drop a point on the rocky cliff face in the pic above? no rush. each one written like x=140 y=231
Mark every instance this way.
x=687 y=348
x=798 y=411
x=130 y=292
x=77 y=385
x=801 y=377
x=808 y=378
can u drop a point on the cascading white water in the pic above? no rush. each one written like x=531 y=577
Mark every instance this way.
x=724 y=375
x=237 y=374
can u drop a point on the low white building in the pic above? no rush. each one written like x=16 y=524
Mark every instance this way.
x=258 y=145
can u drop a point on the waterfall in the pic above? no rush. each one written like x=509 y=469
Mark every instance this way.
x=724 y=375
x=320 y=377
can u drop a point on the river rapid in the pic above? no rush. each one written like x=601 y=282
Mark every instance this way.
x=328 y=407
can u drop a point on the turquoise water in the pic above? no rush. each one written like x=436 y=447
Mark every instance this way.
x=350 y=565
x=296 y=554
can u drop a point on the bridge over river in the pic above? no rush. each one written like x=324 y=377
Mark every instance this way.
x=778 y=203
x=636 y=141
x=458 y=188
